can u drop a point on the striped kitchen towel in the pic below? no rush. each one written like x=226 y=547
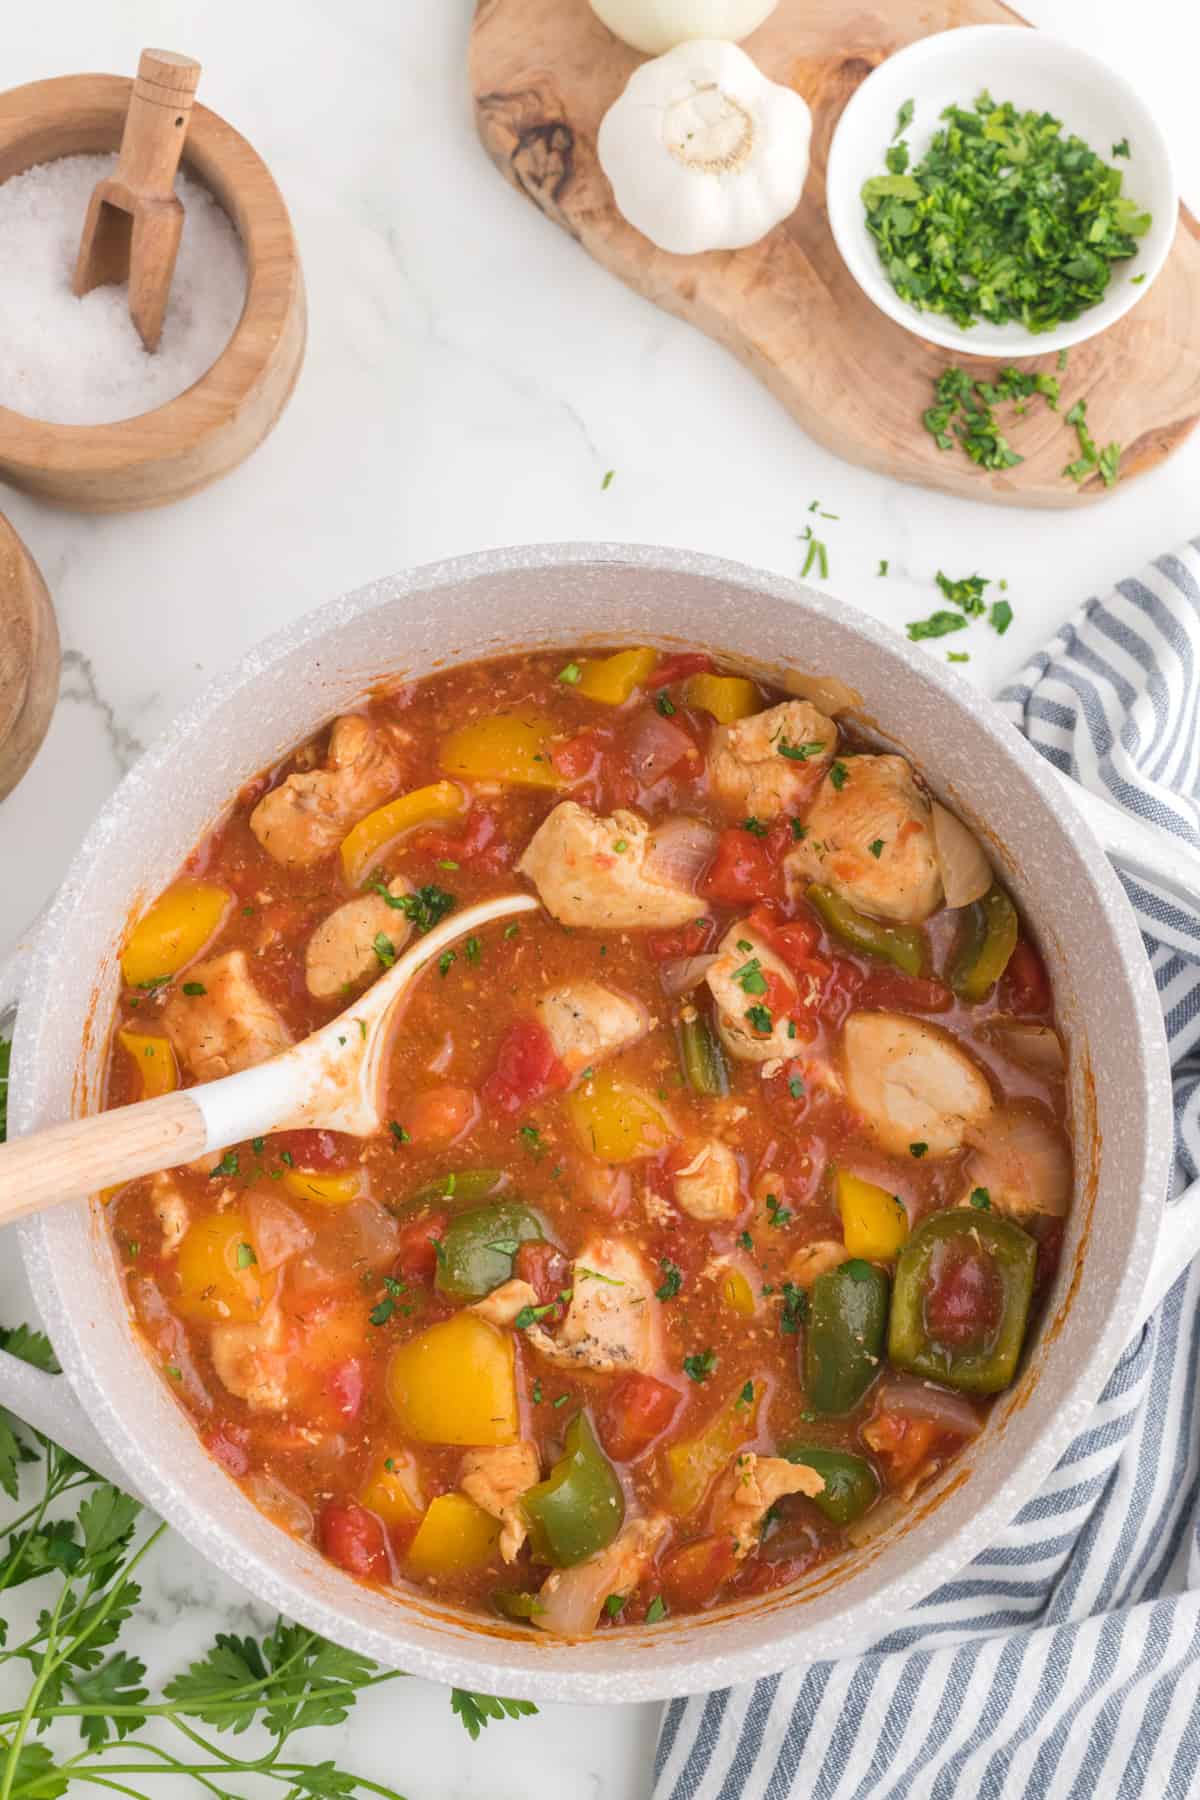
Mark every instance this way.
x=1065 y=1660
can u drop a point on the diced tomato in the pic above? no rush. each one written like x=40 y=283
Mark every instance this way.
x=416 y=1258
x=229 y=1445
x=354 y=1539
x=526 y=1069
x=694 y=1575
x=904 y=1443
x=964 y=1297
x=580 y=757
x=795 y=941
x=1025 y=987
x=440 y=1115
x=345 y=1386
x=638 y=1410
x=672 y=946
x=548 y=1272
x=762 y=1575
x=313 y=1150
x=677 y=668
x=742 y=870
x=479 y=845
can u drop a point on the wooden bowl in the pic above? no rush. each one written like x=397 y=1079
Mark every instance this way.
x=29 y=658
x=208 y=429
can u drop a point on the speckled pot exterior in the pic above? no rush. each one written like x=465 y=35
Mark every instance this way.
x=557 y=595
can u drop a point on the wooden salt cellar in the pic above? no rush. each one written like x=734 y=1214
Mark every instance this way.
x=209 y=429
x=29 y=658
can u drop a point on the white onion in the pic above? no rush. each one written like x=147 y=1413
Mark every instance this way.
x=917 y=1400
x=375 y=1231
x=656 y=748
x=966 y=871
x=678 y=853
x=685 y=973
x=278 y=1231
x=279 y=1503
x=1036 y=1047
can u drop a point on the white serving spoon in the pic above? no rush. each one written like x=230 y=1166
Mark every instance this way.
x=333 y=1079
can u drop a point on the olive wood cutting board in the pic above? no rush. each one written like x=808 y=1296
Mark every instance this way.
x=544 y=72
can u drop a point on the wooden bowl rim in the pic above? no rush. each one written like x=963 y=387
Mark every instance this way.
x=273 y=274
x=23 y=732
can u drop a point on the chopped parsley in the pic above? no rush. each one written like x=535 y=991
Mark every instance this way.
x=536 y=1394
x=981 y=1200
x=1000 y=617
x=761 y=1020
x=398 y=1132
x=384 y=949
x=512 y=931
x=446 y=960
x=883 y=566
x=795 y=1309
x=755 y=827
x=903 y=119
x=1091 y=460
x=425 y=906
x=531 y=1137
x=876 y=848
x=472 y=949
x=798 y=752
x=228 y=1165
x=621 y=846
x=839 y=775
x=192 y=988
x=257 y=1145
x=917 y=1150
x=1004 y=218
x=1122 y=149
x=664 y=703
x=529 y=1315
x=796 y=1087
x=379 y=1315
x=799 y=830
x=745 y=1240
x=571 y=674
x=938 y=624
x=818 y=555
x=656 y=1610
x=777 y=1212
x=609 y=478
x=613 y=1605
x=245 y=1256
x=750 y=977
x=958 y=656
x=967 y=592
x=746 y=1397
x=672 y=1279
x=700 y=1366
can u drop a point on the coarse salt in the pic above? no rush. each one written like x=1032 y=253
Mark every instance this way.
x=80 y=361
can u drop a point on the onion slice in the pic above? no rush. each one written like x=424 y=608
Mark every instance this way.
x=278 y=1231
x=919 y=1400
x=684 y=974
x=657 y=745
x=678 y=853
x=966 y=871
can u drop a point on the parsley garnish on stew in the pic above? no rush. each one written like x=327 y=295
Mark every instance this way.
x=755 y=827
x=700 y=1366
x=384 y=949
x=672 y=1279
x=876 y=848
x=750 y=977
x=839 y=775
x=1004 y=218
x=795 y=1308
x=656 y=1610
x=798 y=752
x=425 y=906
x=981 y=1199
x=761 y=1019
x=228 y=1165
x=193 y=988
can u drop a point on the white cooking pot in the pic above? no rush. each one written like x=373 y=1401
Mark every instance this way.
x=1119 y=1257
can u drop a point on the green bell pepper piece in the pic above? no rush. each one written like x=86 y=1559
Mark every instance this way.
x=986 y=1368
x=580 y=1507
x=479 y=1246
x=988 y=939
x=901 y=945
x=470 y=1185
x=511 y=1603
x=701 y=1057
x=851 y=1484
x=847 y=1326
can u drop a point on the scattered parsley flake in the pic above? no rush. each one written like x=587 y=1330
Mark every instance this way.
x=571 y=674
x=876 y=848
x=839 y=775
x=700 y=1365
x=656 y=1610
x=981 y=1199
x=672 y=1279
x=228 y=1165
x=384 y=949
x=917 y=1150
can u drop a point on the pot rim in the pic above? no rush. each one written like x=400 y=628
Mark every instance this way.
x=565 y=1675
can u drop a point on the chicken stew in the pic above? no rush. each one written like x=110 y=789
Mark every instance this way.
x=716 y=1197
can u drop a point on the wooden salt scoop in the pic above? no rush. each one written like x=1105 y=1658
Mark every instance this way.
x=332 y=1080
x=135 y=218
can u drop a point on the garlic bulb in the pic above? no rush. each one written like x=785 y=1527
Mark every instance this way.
x=658 y=25
x=703 y=152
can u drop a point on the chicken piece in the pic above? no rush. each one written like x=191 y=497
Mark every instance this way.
x=739 y=981
x=587 y=1023
x=594 y=871
x=613 y=1320
x=308 y=815
x=171 y=1210
x=251 y=1363
x=748 y=1490
x=912 y=1083
x=495 y=1479
x=229 y=1026
x=769 y=765
x=504 y=1304
x=709 y=1188
x=573 y=1599
x=816 y=1259
x=1021 y=1156
x=880 y=803
x=341 y=952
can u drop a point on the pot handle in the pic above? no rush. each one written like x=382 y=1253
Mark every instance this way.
x=1147 y=851
x=1178 y=1242
x=47 y=1402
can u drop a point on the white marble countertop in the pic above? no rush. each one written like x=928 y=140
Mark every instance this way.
x=471 y=377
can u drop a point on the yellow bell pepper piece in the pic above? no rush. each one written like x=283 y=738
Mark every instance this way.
x=614 y=678
x=738 y=1294
x=456 y=1384
x=727 y=697
x=874 y=1222
x=324 y=1190
x=511 y=747
x=364 y=843
x=454 y=1534
x=393 y=1489
x=617 y=1120
x=693 y=1465
x=155 y=1059
x=174 y=931
x=219 y=1276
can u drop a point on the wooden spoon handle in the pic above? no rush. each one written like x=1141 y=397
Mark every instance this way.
x=156 y=123
x=71 y=1161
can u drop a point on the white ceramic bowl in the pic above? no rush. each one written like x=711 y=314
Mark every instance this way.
x=1033 y=71
x=114 y=1411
